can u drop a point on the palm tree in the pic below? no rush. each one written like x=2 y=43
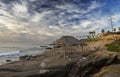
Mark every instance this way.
x=119 y=28
x=114 y=29
x=92 y=33
x=108 y=31
x=103 y=31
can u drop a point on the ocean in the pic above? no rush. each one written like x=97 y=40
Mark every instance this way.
x=12 y=51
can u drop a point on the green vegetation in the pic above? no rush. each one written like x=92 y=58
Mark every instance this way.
x=91 y=40
x=114 y=47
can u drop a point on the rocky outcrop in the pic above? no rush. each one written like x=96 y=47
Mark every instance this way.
x=58 y=73
x=84 y=67
x=112 y=70
x=109 y=71
x=89 y=66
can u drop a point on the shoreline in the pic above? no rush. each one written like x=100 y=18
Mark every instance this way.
x=16 y=58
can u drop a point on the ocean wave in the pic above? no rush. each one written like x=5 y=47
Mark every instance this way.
x=13 y=53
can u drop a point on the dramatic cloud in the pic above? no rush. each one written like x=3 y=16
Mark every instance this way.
x=42 y=21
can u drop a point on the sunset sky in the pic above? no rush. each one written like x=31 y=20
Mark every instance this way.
x=42 y=21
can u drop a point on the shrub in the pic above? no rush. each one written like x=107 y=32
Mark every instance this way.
x=113 y=47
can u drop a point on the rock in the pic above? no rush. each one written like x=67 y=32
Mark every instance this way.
x=8 y=60
x=25 y=57
x=109 y=71
x=118 y=56
x=88 y=67
x=112 y=59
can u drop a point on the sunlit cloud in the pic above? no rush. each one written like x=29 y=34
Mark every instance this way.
x=43 y=21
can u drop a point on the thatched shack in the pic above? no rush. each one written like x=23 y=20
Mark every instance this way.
x=67 y=42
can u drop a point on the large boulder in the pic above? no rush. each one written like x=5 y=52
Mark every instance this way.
x=110 y=71
x=112 y=59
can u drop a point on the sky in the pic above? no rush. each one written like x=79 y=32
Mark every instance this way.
x=43 y=21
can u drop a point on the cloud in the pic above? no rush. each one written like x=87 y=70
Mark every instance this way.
x=20 y=9
x=42 y=21
x=94 y=5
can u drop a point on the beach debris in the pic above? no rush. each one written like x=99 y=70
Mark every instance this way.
x=43 y=71
x=43 y=64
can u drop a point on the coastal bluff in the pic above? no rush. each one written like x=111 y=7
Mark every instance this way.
x=74 y=60
x=93 y=65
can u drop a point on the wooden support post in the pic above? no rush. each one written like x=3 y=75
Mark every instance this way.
x=71 y=48
x=53 y=50
x=82 y=49
x=65 y=51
